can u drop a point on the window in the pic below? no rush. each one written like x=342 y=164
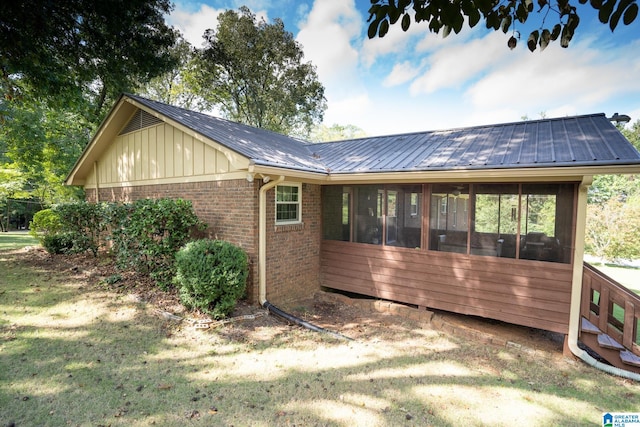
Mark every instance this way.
x=373 y=214
x=448 y=221
x=509 y=220
x=288 y=203
x=495 y=220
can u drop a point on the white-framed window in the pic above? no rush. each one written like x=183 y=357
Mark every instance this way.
x=289 y=203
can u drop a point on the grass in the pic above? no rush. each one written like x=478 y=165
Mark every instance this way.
x=73 y=351
x=627 y=276
x=16 y=240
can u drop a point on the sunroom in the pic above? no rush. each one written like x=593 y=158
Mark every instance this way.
x=502 y=251
x=485 y=221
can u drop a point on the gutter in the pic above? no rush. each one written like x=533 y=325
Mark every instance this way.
x=262 y=267
x=576 y=291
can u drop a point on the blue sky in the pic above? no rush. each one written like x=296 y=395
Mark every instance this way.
x=418 y=81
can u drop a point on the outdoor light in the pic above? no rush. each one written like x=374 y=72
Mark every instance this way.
x=620 y=118
x=266 y=178
x=250 y=177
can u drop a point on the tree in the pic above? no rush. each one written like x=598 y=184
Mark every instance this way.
x=613 y=229
x=174 y=86
x=336 y=132
x=254 y=73
x=447 y=16
x=73 y=49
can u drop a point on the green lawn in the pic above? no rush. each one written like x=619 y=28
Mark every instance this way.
x=626 y=276
x=76 y=351
x=16 y=240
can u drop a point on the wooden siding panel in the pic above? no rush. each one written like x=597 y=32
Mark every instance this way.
x=187 y=150
x=178 y=152
x=144 y=154
x=522 y=292
x=153 y=153
x=198 y=157
x=137 y=156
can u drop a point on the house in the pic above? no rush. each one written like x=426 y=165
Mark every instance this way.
x=485 y=220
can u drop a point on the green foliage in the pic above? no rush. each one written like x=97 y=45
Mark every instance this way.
x=85 y=224
x=336 y=132
x=148 y=233
x=613 y=229
x=254 y=73
x=61 y=243
x=45 y=222
x=212 y=276
x=446 y=16
x=67 y=50
x=72 y=228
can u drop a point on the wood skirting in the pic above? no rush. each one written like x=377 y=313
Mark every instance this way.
x=528 y=293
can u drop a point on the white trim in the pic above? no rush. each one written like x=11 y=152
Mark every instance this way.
x=298 y=203
x=173 y=180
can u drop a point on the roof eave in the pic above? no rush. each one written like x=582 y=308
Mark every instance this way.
x=538 y=174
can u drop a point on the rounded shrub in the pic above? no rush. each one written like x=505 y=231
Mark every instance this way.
x=45 y=223
x=211 y=276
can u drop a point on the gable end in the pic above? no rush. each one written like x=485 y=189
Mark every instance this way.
x=140 y=120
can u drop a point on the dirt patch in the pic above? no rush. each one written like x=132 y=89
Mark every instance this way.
x=355 y=318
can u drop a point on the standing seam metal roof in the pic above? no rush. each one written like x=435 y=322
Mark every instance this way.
x=587 y=140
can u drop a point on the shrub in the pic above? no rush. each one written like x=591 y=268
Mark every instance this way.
x=86 y=224
x=148 y=233
x=212 y=276
x=45 y=223
x=71 y=227
x=60 y=243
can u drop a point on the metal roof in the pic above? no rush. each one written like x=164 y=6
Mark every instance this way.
x=589 y=140
x=261 y=146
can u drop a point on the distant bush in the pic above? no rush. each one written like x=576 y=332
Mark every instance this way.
x=71 y=228
x=211 y=276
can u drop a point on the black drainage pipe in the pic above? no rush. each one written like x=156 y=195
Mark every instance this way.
x=293 y=319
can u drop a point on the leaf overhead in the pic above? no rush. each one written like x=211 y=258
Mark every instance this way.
x=506 y=15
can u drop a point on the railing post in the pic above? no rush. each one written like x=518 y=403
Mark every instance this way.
x=585 y=304
x=629 y=326
x=603 y=317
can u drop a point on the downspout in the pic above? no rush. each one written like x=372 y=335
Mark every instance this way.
x=262 y=266
x=262 y=239
x=576 y=290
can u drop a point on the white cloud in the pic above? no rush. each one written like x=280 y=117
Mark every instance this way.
x=193 y=24
x=401 y=73
x=455 y=63
x=326 y=36
x=562 y=81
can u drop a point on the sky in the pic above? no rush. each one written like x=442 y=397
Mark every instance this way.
x=416 y=80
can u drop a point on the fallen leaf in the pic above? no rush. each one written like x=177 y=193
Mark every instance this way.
x=164 y=386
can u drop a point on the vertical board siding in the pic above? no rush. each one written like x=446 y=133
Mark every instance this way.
x=158 y=152
x=528 y=293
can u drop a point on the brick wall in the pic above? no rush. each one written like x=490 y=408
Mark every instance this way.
x=230 y=208
x=293 y=251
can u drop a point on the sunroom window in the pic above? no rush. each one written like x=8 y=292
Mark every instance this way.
x=519 y=221
x=288 y=203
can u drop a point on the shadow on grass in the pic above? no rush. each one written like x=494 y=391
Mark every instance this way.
x=74 y=354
